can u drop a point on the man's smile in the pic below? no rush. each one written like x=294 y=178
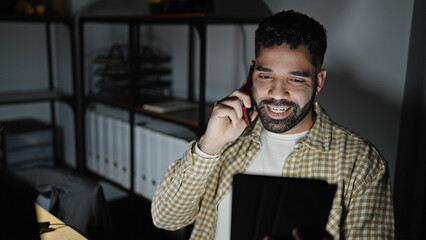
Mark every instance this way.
x=278 y=112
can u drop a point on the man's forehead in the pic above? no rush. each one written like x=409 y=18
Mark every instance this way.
x=273 y=59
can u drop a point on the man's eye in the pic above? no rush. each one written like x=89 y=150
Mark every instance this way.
x=265 y=76
x=297 y=80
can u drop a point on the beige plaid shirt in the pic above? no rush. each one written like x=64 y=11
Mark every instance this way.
x=362 y=209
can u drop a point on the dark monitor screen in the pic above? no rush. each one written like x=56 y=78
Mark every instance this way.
x=274 y=206
x=17 y=210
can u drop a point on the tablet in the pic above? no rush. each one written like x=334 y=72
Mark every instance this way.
x=274 y=206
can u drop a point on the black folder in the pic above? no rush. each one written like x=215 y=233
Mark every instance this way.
x=274 y=206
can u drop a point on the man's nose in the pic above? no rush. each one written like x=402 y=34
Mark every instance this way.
x=280 y=89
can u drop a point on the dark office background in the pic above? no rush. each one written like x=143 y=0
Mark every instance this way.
x=375 y=84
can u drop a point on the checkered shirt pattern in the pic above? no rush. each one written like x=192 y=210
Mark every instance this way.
x=362 y=209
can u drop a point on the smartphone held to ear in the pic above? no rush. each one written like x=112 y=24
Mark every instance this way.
x=246 y=115
x=247 y=88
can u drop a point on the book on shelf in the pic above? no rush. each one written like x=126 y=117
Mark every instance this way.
x=169 y=106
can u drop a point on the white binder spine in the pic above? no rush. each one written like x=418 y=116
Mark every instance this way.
x=137 y=177
x=117 y=149
x=88 y=146
x=146 y=162
x=153 y=163
x=94 y=145
x=125 y=178
x=109 y=146
x=100 y=146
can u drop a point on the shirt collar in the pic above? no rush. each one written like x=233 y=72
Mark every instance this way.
x=318 y=137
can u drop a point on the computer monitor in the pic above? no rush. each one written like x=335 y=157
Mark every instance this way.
x=17 y=210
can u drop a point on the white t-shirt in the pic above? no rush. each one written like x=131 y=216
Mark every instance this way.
x=270 y=160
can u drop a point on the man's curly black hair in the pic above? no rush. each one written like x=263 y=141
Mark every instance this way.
x=294 y=29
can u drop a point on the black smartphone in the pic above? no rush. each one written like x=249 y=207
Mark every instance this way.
x=246 y=111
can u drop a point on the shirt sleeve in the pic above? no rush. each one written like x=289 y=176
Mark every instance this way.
x=203 y=154
x=370 y=213
x=177 y=198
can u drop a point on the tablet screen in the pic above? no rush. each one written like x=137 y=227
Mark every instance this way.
x=274 y=206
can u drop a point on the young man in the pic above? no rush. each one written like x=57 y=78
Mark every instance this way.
x=291 y=135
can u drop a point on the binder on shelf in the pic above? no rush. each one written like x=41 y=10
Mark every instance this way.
x=175 y=148
x=146 y=150
x=93 y=136
x=163 y=150
x=112 y=151
x=89 y=154
x=109 y=146
x=161 y=143
x=166 y=157
x=101 y=145
x=163 y=157
x=137 y=177
x=154 y=160
x=118 y=149
x=125 y=176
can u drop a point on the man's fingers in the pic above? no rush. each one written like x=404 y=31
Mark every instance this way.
x=224 y=110
x=234 y=100
x=234 y=103
x=242 y=96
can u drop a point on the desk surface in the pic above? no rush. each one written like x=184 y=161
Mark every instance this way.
x=59 y=231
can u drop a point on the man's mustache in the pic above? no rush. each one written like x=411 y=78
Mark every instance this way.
x=281 y=102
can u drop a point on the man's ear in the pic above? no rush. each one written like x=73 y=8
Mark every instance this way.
x=320 y=79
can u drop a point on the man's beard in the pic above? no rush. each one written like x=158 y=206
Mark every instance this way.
x=283 y=125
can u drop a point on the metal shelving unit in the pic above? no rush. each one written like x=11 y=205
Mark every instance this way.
x=51 y=94
x=198 y=23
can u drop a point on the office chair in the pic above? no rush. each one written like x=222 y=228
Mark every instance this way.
x=75 y=199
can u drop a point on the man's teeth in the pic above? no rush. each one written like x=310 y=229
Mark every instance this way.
x=278 y=110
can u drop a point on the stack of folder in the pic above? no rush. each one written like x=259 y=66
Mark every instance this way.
x=108 y=147
x=26 y=143
x=157 y=144
x=154 y=152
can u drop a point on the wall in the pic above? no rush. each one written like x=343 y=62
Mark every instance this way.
x=21 y=68
x=410 y=181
